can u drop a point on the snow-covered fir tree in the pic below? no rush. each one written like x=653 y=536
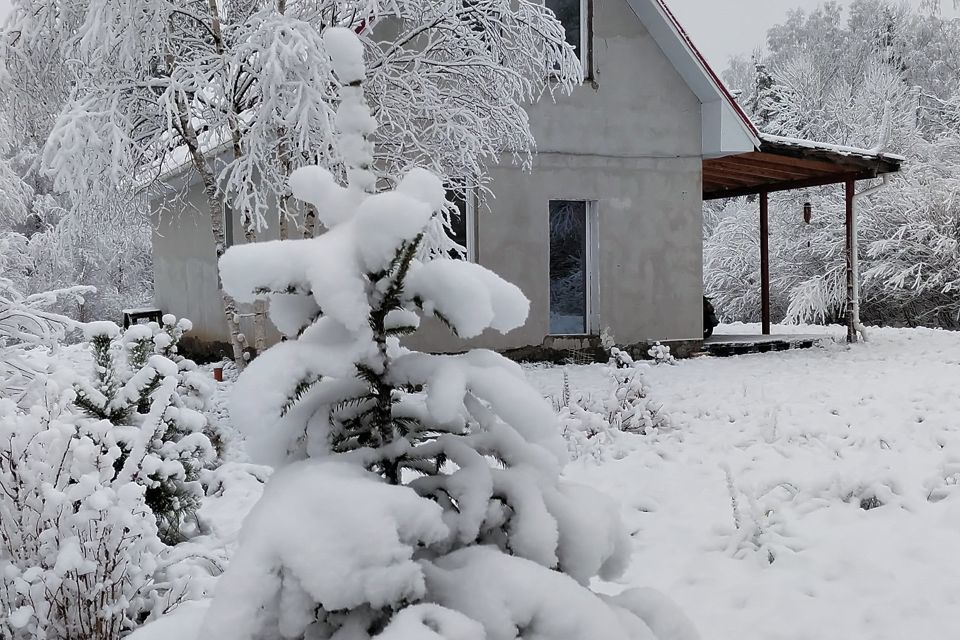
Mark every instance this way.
x=161 y=401
x=417 y=495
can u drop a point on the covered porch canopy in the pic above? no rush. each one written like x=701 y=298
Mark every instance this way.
x=784 y=164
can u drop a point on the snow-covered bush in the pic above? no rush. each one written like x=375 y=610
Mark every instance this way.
x=78 y=544
x=140 y=382
x=660 y=354
x=629 y=407
x=587 y=432
x=760 y=529
x=417 y=495
x=26 y=323
x=590 y=424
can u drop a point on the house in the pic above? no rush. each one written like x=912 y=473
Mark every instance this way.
x=606 y=230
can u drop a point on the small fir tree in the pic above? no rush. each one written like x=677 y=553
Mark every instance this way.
x=419 y=495
x=140 y=382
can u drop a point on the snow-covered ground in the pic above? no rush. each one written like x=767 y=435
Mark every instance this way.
x=805 y=439
x=775 y=456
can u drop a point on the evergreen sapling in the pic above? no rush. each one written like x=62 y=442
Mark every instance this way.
x=416 y=495
x=159 y=402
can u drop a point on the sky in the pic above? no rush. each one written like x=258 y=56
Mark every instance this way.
x=721 y=28
x=724 y=28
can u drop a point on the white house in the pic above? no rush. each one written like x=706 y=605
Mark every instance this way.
x=606 y=230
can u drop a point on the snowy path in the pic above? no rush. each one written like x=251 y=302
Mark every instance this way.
x=807 y=436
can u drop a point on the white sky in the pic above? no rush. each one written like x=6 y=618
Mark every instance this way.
x=723 y=28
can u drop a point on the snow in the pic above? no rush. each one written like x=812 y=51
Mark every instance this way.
x=103 y=328
x=834 y=148
x=306 y=543
x=469 y=297
x=506 y=595
x=346 y=53
x=181 y=624
x=807 y=437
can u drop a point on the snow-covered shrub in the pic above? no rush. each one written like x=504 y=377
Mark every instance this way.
x=588 y=433
x=760 y=526
x=416 y=495
x=78 y=544
x=26 y=322
x=629 y=407
x=660 y=354
x=139 y=381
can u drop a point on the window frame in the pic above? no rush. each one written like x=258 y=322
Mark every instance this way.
x=591 y=259
x=470 y=223
x=470 y=196
x=586 y=39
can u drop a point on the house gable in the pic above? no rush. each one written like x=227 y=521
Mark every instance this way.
x=725 y=128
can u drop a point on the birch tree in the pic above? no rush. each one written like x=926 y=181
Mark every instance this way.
x=239 y=91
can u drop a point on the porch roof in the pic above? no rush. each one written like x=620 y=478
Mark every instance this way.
x=783 y=164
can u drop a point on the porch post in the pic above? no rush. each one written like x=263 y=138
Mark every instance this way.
x=851 y=264
x=765 y=261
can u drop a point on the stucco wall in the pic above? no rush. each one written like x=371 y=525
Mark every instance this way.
x=630 y=140
x=184 y=262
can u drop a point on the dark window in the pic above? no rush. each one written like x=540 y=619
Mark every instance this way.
x=570 y=14
x=228 y=222
x=568 y=267
x=460 y=222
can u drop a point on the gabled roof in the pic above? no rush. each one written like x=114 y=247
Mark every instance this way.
x=726 y=128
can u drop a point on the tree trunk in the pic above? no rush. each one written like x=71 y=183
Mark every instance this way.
x=259 y=307
x=309 y=222
x=215 y=210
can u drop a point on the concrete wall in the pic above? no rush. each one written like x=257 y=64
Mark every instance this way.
x=185 y=266
x=185 y=262
x=629 y=139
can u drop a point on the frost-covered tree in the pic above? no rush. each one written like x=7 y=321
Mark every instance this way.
x=100 y=241
x=140 y=383
x=886 y=63
x=28 y=325
x=241 y=92
x=416 y=495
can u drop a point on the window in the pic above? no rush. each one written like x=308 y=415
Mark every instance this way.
x=573 y=14
x=228 y=222
x=463 y=222
x=572 y=280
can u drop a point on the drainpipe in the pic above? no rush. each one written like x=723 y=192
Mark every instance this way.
x=855 y=248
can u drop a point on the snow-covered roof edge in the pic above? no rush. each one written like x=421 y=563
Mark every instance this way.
x=726 y=127
x=869 y=154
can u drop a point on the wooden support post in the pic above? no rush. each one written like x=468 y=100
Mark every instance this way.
x=765 y=261
x=851 y=247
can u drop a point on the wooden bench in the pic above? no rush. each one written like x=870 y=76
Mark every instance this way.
x=148 y=314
